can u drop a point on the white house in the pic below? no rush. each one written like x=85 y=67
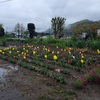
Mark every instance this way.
x=98 y=32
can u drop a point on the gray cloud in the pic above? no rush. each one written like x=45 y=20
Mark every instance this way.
x=41 y=12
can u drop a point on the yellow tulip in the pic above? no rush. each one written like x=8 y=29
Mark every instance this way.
x=82 y=61
x=18 y=51
x=55 y=57
x=27 y=51
x=64 y=49
x=56 y=46
x=43 y=48
x=24 y=57
x=3 y=52
x=52 y=52
x=82 y=56
x=80 y=52
x=48 y=50
x=34 y=52
x=13 y=48
x=57 y=52
x=10 y=52
x=70 y=48
x=23 y=48
x=98 y=51
x=0 y=51
x=23 y=45
x=22 y=53
x=45 y=56
x=69 y=51
x=29 y=46
x=37 y=47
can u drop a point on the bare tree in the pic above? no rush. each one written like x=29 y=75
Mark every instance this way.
x=58 y=26
x=19 y=28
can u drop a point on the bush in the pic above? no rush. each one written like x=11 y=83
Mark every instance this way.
x=71 y=42
x=3 y=41
x=78 y=84
x=50 y=40
x=80 y=44
x=94 y=44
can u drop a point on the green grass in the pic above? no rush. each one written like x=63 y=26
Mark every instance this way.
x=71 y=42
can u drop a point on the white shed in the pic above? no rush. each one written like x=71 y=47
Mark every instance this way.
x=98 y=32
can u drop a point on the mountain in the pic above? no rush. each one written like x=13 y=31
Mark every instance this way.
x=67 y=30
x=48 y=31
x=85 y=21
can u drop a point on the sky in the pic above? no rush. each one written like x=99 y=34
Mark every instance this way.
x=40 y=12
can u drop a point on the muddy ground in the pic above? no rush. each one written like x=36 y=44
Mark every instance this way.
x=17 y=83
x=22 y=84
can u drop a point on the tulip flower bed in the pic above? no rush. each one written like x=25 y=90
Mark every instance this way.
x=78 y=67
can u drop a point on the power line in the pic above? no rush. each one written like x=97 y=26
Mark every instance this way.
x=5 y=1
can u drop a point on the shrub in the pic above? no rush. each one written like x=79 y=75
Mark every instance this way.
x=69 y=43
x=94 y=44
x=50 y=40
x=3 y=41
x=80 y=43
x=78 y=84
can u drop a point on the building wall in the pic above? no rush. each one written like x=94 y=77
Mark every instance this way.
x=98 y=32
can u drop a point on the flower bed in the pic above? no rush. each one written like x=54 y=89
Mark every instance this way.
x=65 y=65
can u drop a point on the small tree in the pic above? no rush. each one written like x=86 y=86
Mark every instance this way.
x=19 y=28
x=2 y=31
x=31 y=28
x=58 y=26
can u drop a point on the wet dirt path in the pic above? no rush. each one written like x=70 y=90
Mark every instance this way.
x=17 y=83
x=8 y=92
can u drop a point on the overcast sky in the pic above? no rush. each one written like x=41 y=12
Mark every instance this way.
x=40 y=12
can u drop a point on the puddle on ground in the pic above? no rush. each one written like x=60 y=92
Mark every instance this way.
x=4 y=72
x=14 y=68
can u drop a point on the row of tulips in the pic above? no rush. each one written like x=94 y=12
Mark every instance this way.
x=92 y=76
x=73 y=58
x=44 y=71
x=56 y=60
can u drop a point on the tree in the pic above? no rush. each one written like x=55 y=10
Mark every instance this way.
x=31 y=28
x=1 y=25
x=77 y=30
x=89 y=28
x=2 y=31
x=19 y=28
x=58 y=26
x=22 y=29
x=94 y=27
